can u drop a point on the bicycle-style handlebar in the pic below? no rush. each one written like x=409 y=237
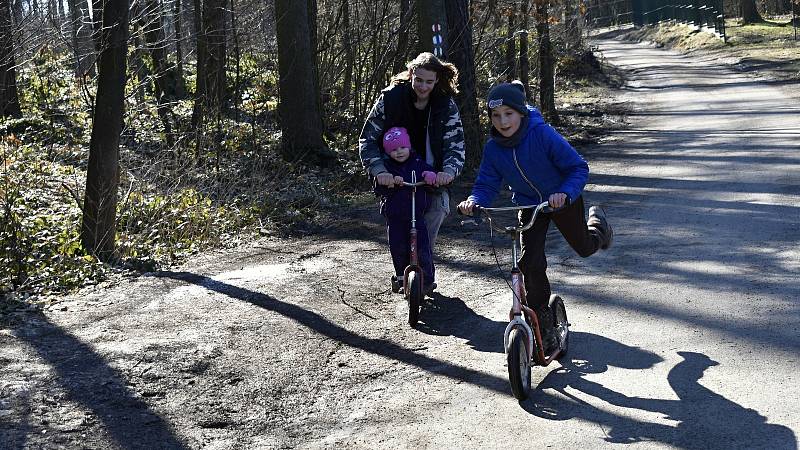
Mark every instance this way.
x=418 y=183
x=543 y=207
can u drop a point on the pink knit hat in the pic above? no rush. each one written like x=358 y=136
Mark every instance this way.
x=395 y=138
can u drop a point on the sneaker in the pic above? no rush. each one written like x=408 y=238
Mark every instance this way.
x=545 y=316
x=597 y=221
x=397 y=284
x=429 y=288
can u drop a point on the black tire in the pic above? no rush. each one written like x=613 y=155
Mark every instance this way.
x=414 y=296
x=519 y=369
x=560 y=324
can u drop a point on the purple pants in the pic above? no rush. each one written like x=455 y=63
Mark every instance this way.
x=399 y=245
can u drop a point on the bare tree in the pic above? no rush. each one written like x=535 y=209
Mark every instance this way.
x=572 y=31
x=299 y=106
x=461 y=54
x=81 y=38
x=402 y=36
x=102 y=177
x=163 y=75
x=349 y=54
x=547 y=102
x=211 y=92
x=511 y=47
x=432 y=27
x=177 y=24
x=524 y=60
x=9 y=100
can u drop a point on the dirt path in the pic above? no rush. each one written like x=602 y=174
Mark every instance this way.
x=685 y=334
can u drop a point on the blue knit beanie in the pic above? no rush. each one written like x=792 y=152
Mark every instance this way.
x=508 y=94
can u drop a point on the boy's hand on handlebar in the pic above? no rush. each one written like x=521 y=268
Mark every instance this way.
x=385 y=179
x=443 y=179
x=398 y=180
x=557 y=200
x=466 y=207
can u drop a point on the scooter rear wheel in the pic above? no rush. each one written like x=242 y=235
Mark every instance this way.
x=414 y=294
x=560 y=323
x=519 y=369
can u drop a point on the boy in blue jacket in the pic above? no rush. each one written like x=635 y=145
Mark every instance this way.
x=396 y=205
x=538 y=164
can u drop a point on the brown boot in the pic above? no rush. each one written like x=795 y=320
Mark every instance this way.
x=597 y=221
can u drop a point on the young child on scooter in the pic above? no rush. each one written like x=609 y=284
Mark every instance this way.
x=538 y=164
x=396 y=205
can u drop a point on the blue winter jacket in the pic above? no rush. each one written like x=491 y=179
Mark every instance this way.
x=548 y=160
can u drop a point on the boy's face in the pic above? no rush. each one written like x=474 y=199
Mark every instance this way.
x=506 y=120
x=400 y=154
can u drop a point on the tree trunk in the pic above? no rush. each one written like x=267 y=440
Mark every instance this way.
x=139 y=68
x=511 y=47
x=163 y=76
x=749 y=12
x=461 y=54
x=402 y=36
x=349 y=55
x=82 y=38
x=210 y=94
x=524 y=61
x=547 y=101
x=9 y=99
x=299 y=108
x=16 y=10
x=572 y=32
x=180 y=83
x=237 y=55
x=432 y=27
x=102 y=178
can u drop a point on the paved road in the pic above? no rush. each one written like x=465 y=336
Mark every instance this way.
x=693 y=336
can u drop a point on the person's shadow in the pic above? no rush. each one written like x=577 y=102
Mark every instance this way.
x=450 y=316
x=705 y=418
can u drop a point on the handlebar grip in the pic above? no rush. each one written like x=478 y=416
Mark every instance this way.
x=549 y=209
x=475 y=219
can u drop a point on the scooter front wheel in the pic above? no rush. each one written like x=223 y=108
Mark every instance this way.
x=519 y=368
x=413 y=286
x=560 y=323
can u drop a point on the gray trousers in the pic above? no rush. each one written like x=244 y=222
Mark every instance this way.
x=436 y=213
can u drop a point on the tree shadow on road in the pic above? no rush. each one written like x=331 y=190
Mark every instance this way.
x=728 y=425
x=325 y=327
x=90 y=381
x=450 y=316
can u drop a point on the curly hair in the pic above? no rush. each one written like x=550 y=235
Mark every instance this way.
x=446 y=73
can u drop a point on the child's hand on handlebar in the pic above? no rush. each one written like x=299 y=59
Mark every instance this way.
x=557 y=200
x=466 y=207
x=398 y=180
x=429 y=177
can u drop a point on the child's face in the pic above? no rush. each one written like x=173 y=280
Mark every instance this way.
x=506 y=120
x=400 y=154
